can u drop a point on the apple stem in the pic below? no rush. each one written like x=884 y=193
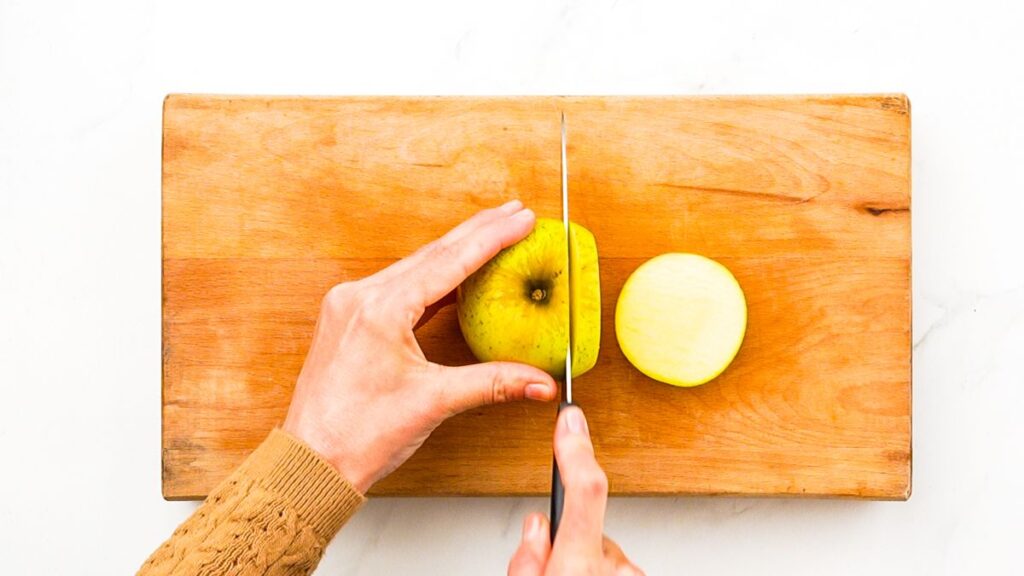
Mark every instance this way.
x=538 y=294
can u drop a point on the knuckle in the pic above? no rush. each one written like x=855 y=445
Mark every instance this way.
x=358 y=302
x=338 y=297
x=368 y=307
x=441 y=251
x=454 y=255
x=594 y=484
x=499 y=390
x=368 y=298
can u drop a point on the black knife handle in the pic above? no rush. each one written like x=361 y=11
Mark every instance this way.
x=557 y=490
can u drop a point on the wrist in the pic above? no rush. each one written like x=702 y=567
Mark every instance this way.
x=327 y=446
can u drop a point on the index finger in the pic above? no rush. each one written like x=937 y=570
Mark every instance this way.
x=442 y=267
x=465 y=227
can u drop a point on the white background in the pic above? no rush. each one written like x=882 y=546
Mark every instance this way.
x=81 y=85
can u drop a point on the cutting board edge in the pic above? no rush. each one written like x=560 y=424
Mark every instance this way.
x=898 y=101
x=897 y=495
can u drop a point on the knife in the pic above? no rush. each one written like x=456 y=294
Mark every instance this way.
x=557 y=489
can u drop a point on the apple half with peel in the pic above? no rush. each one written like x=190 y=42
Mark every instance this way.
x=681 y=318
x=516 y=307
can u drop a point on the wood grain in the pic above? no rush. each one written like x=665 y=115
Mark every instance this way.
x=267 y=202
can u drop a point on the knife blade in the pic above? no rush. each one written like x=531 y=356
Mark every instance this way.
x=557 y=488
x=567 y=396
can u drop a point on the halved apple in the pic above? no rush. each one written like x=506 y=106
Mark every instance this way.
x=516 y=307
x=681 y=318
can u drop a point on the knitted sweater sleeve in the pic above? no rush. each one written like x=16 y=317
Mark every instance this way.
x=273 y=516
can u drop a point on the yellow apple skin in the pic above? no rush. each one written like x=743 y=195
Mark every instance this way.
x=681 y=319
x=516 y=307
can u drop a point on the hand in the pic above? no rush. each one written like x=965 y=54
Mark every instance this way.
x=367 y=397
x=580 y=546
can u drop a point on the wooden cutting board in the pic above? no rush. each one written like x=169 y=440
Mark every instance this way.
x=269 y=201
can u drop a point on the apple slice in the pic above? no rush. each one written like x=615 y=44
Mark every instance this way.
x=516 y=307
x=680 y=319
x=585 y=287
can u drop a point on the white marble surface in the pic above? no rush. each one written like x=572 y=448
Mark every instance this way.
x=80 y=93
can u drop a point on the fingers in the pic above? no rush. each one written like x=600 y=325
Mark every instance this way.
x=480 y=218
x=442 y=266
x=612 y=551
x=586 y=486
x=483 y=217
x=469 y=225
x=434 y=308
x=532 y=555
x=464 y=387
x=614 y=555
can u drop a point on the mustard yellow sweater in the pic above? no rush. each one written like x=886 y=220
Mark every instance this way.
x=273 y=516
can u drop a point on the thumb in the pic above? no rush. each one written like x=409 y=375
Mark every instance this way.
x=466 y=387
x=586 y=485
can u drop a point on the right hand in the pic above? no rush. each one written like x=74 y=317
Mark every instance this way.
x=580 y=546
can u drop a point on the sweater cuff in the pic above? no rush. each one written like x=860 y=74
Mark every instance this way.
x=318 y=493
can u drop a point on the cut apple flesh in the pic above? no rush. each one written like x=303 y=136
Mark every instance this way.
x=680 y=319
x=585 y=287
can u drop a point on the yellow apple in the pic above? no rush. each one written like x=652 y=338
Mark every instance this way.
x=516 y=307
x=681 y=318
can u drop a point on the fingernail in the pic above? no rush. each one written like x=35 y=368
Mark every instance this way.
x=532 y=528
x=523 y=215
x=575 y=422
x=511 y=206
x=538 y=391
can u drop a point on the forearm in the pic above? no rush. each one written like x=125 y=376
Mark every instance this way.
x=273 y=516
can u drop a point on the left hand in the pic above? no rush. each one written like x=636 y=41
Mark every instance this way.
x=367 y=398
